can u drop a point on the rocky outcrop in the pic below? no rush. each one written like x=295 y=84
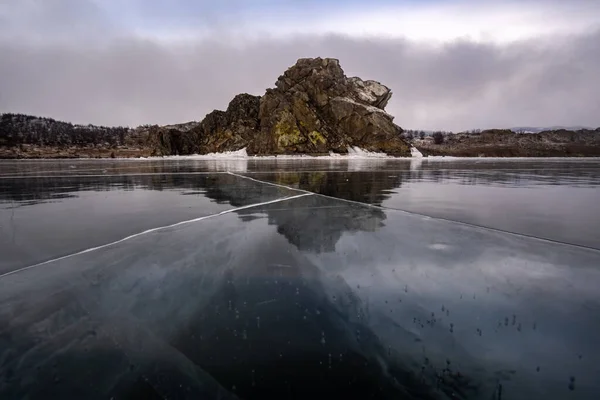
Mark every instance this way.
x=232 y=129
x=313 y=109
x=219 y=131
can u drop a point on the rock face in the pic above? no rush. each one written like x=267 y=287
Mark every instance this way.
x=313 y=109
x=230 y=130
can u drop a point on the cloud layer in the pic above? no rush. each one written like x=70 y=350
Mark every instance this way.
x=109 y=69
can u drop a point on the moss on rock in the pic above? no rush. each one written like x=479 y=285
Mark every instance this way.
x=316 y=138
x=287 y=132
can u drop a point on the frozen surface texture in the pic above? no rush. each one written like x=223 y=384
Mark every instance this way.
x=319 y=279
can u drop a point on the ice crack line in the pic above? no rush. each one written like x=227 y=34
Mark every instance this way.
x=155 y=230
x=475 y=226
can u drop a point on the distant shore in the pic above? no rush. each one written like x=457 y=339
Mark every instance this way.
x=506 y=143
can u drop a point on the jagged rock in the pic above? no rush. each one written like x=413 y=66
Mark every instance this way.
x=172 y=140
x=230 y=130
x=314 y=108
x=219 y=131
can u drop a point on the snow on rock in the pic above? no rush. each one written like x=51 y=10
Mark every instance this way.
x=224 y=155
x=371 y=92
x=357 y=152
x=353 y=153
x=368 y=108
x=414 y=152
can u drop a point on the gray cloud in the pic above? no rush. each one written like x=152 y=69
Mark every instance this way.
x=459 y=85
x=66 y=21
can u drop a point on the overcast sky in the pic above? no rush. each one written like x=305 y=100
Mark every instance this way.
x=452 y=64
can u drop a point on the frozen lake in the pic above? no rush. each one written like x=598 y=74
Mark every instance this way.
x=334 y=278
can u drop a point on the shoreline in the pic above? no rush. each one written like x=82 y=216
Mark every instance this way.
x=199 y=157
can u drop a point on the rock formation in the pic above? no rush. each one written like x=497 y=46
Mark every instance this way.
x=313 y=109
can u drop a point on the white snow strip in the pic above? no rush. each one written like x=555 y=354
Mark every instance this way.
x=414 y=152
x=226 y=155
x=353 y=152
x=157 y=229
x=357 y=152
x=364 y=97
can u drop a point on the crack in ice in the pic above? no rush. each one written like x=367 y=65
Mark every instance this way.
x=475 y=226
x=155 y=230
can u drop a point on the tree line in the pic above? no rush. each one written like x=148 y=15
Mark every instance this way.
x=18 y=129
x=438 y=136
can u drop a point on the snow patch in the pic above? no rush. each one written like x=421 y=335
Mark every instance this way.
x=368 y=97
x=414 y=152
x=357 y=152
x=369 y=108
x=369 y=91
x=238 y=154
x=353 y=152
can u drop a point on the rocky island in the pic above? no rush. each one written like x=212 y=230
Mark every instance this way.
x=314 y=109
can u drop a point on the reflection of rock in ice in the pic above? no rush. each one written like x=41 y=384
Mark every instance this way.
x=222 y=165
x=417 y=159
x=316 y=223
x=235 y=161
x=366 y=164
x=416 y=163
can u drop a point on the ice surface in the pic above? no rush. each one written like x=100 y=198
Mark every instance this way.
x=416 y=298
x=333 y=292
